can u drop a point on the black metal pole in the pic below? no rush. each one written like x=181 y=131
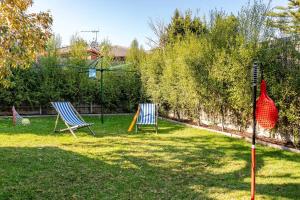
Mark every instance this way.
x=254 y=100
x=253 y=158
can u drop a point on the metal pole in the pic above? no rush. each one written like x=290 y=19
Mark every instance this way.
x=101 y=94
x=253 y=159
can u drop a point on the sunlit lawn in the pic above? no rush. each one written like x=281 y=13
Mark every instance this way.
x=177 y=163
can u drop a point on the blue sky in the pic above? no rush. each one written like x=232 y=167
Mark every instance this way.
x=121 y=21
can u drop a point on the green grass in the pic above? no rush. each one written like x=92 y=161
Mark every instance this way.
x=177 y=163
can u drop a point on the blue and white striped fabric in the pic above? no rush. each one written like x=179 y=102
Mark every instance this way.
x=147 y=114
x=67 y=113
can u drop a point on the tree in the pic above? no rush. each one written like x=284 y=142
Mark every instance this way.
x=160 y=37
x=180 y=26
x=23 y=35
x=252 y=21
x=78 y=51
x=287 y=18
x=179 y=85
x=53 y=44
x=135 y=54
x=151 y=72
x=183 y=24
x=105 y=48
x=134 y=58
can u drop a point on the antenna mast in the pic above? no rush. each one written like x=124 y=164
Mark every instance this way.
x=94 y=43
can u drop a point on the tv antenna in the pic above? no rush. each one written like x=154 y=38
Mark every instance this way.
x=95 y=39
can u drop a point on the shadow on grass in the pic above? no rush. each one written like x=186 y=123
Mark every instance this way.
x=194 y=168
x=53 y=173
x=158 y=167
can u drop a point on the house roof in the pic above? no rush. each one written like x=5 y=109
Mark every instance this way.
x=119 y=51
x=116 y=51
x=64 y=50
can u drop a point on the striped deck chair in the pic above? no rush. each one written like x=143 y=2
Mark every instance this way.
x=70 y=117
x=147 y=116
x=17 y=118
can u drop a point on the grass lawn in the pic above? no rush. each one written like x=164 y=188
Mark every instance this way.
x=177 y=163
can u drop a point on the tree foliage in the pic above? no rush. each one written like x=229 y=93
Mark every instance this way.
x=287 y=18
x=184 y=24
x=181 y=25
x=78 y=49
x=23 y=35
x=211 y=71
x=57 y=78
x=197 y=67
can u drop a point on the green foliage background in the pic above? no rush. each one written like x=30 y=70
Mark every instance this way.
x=58 y=78
x=211 y=70
x=201 y=65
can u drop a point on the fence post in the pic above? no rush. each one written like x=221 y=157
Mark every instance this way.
x=41 y=110
x=91 y=108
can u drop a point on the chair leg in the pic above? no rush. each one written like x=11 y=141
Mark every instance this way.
x=71 y=130
x=136 y=128
x=56 y=122
x=91 y=131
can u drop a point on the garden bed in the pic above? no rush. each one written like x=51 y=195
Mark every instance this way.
x=285 y=145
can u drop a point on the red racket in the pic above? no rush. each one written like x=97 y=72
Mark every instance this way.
x=266 y=111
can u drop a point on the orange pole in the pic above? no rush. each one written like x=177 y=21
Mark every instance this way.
x=253 y=172
x=134 y=120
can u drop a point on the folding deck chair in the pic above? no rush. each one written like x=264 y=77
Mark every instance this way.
x=70 y=117
x=147 y=115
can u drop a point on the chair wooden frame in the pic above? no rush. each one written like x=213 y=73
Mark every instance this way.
x=70 y=128
x=138 y=125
